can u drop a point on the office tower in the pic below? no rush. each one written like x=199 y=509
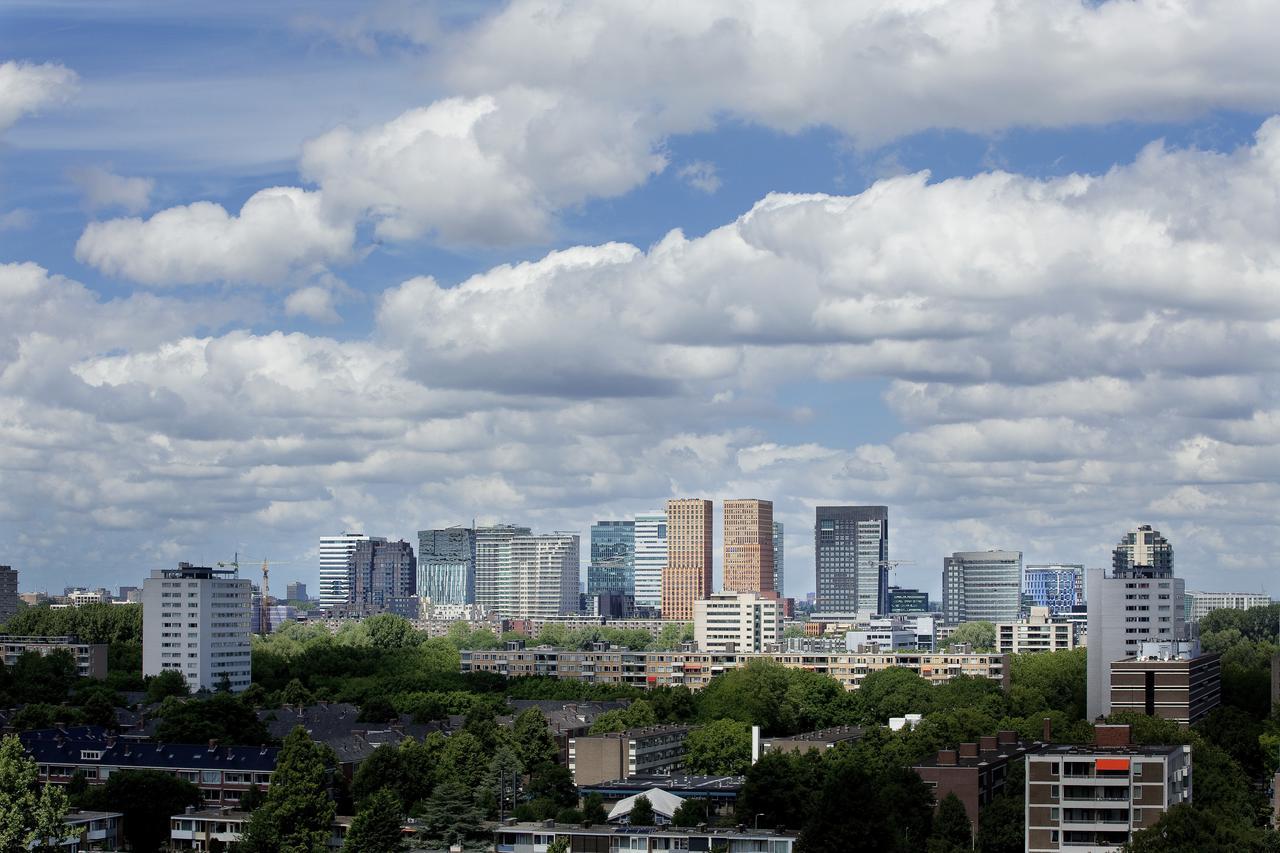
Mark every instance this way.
x=651 y=557
x=1057 y=586
x=380 y=572
x=742 y=622
x=1143 y=547
x=544 y=577
x=851 y=547
x=335 y=589
x=493 y=563
x=688 y=574
x=196 y=620
x=613 y=558
x=1201 y=604
x=447 y=565
x=1140 y=601
x=982 y=586
x=130 y=594
x=295 y=591
x=779 y=573
x=748 y=545
x=8 y=593
x=908 y=600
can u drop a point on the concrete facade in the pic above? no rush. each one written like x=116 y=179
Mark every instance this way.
x=736 y=622
x=1039 y=632
x=620 y=755
x=196 y=621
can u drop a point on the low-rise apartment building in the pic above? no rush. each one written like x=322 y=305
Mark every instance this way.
x=696 y=669
x=1039 y=632
x=513 y=837
x=219 y=829
x=87 y=830
x=1171 y=680
x=90 y=658
x=620 y=755
x=223 y=773
x=974 y=772
x=821 y=740
x=1092 y=797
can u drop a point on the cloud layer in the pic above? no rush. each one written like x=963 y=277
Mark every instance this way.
x=27 y=87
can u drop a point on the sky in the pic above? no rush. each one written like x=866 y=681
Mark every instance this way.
x=276 y=271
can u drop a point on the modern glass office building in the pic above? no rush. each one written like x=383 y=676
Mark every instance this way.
x=982 y=586
x=650 y=557
x=851 y=545
x=1057 y=586
x=779 y=572
x=613 y=551
x=447 y=565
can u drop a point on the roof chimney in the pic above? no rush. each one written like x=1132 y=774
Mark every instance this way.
x=213 y=744
x=1047 y=734
x=1006 y=737
x=1111 y=735
x=946 y=757
x=968 y=750
x=987 y=743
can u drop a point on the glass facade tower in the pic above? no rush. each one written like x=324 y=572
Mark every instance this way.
x=851 y=545
x=613 y=558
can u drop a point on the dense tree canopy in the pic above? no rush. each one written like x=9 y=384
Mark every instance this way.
x=298 y=811
x=29 y=815
x=147 y=798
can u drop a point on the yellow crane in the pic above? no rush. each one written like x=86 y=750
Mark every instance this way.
x=264 y=622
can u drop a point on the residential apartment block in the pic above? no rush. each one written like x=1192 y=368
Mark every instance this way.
x=1201 y=604
x=737 y=622
x=619 y=755
x=974 y=772
x=687 y=576
x=1172 y=680
x=544 y=577
x=1093 y=797
x=90 y=658
x=380 y=572
x=196 y=621
x=748 y=546
x=1039 y=632
x=696 y=669
x=493 y=563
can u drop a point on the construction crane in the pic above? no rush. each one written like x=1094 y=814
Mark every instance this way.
x=892 y=565
x=264 y=621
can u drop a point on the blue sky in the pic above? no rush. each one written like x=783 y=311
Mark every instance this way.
x=1008 y=356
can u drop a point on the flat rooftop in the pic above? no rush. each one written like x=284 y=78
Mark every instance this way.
x=1052 y=749
x=671 y=783
x=835 y=733
x=614 y=829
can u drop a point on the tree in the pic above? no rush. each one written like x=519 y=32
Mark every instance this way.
x=720 y=748
x=533 y=740
x=892 y=692
x=952 y=830
x=377 y=709
x=297 y=813
x=168 y=683
x=147 y=798
x=553 y=783
x=980 y=635
x=504 y=780
x=251 y=798
x=296 y=693
x=44 y=678
x=593 y=809
x=691 y=812
x=1186 y=828
x=388 y=631
x=451 y=815
x=382 y=770
x=672 y=635
x=637 y=715
x=29 y=814
x=378 y=826
x=560 y=845
x=641 y=812
x=464 y=759
x=222 y=717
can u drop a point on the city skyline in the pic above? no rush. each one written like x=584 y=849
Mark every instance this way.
x=451 y=279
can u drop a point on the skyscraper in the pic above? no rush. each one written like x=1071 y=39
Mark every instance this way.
x=296 y=591
x=447 y=565
x=748 y=545
x=335 y=587
x=687 y=577
x=380 y=572
x=195 y=620
x=779 y=573
x=1057 y=586
x=544 y=577
x=613 y=552
x=650 y=557
x=851 y=545
x=1143 y=547
x=493 y=563
x=8 y=593
x=982 y=586
x=1140 y=601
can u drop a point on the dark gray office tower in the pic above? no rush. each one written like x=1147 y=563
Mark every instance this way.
x=8 y=593
x=380 y=571
x=447 y=565
x=1143 y=548
x=851 y=545
x=613 y=558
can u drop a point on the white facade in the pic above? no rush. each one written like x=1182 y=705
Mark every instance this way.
x=335 y=585
x=736 y=622
x=1204 y=603
x=897 y=635
x=81 y=597
x=982 y=586
x=195 y=620
x=1126 y=610
x=651 y=557
x=1039 y=632
x=493 y=564
x=544 y=577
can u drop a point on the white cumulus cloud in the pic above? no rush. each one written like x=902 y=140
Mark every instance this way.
x=27 y=87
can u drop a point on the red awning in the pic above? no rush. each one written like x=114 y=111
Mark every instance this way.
x=1112 y=764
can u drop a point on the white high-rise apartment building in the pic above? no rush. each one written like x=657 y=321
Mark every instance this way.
x=736 y=622
x=493 y=564
x=544 y=577
x=195 y=620
x=1201 y=604
x=335 y=584
x=651 y=556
